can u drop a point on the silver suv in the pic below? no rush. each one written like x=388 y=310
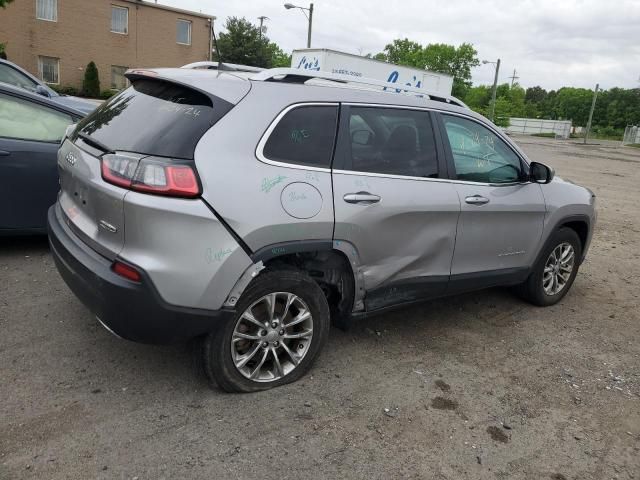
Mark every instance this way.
x=250 y=210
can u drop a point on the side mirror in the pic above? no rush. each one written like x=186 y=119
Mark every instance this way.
x=40 y=90
x=362 y=137
x=540 y=173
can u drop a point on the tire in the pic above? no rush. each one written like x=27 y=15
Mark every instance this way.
x=533 y=289
x=221 y=353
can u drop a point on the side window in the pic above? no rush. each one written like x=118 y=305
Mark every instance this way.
x=480 y=155
x=304 y=136
x=26 y=120
x=14 y=77
x=389 y=141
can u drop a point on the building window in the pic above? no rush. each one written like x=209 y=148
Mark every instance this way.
x=118 y=80
x=184 y=32
x=119 y=20
x=47 y=10
x=49 y=69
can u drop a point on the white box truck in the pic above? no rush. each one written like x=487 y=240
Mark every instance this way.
x=331 y=61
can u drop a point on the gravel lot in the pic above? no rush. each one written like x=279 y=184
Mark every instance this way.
x=477 y=386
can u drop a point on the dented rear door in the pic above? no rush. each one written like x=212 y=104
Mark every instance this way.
x=391 y=207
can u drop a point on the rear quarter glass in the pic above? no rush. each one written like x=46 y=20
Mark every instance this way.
x=155 y=117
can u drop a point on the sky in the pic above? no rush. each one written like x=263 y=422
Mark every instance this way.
x=551 y=43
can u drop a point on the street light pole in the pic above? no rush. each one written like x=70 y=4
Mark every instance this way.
x=593 y=106
x=304 y=10
x=310 y=25
x=493 y=92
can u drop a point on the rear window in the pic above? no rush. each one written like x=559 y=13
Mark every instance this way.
x=155 y=117
x=304 y=136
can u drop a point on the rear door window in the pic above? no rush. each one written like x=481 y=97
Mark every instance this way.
x=304 y=136
x=155 y=117
x=389 y=141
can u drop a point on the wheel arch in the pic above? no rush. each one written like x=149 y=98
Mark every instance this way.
x=332 y=264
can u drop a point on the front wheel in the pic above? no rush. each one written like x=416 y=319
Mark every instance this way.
x=555 y=271
x=282 y=323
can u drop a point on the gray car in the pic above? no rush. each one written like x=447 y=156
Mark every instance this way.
x=250 y=210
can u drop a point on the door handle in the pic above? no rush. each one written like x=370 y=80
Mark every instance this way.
x=4 y=153
x=361 y=197
x=476 y=200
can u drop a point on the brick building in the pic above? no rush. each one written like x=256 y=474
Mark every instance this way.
x=56 y=39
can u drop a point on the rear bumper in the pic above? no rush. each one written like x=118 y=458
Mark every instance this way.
x=131 y=310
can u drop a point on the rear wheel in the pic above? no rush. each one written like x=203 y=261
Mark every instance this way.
x=555 y=271
x=282 y=323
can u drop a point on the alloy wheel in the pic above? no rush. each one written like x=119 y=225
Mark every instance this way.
x=558 y=268
x=272 y=336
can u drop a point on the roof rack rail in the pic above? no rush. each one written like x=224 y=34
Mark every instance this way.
x=294 y=75
x=231 y=67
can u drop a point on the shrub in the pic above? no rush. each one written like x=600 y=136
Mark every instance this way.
x=67 y=90
x=91 y=83
x=106 y=94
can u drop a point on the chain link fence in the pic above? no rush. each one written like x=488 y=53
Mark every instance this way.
x=631 y=135
x=530 y=126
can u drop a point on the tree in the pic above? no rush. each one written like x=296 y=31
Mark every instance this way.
x=478 y=98
x=4 y=3
x=535 y=94
x=244 y=44
x=437 y=57
x=91 y=82
x=278 y=57
x=456 y=62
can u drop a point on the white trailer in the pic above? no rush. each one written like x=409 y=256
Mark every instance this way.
x=331 y=61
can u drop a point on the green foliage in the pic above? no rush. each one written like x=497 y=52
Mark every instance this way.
x=3 y=51
x=437 y=57
x=615 y=108
x=242 y=43
x=106 y=94
x=67 y=90
x=278 y=57
x=91 y=82
x=4 y=3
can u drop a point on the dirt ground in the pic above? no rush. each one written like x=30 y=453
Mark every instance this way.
x=480 y=386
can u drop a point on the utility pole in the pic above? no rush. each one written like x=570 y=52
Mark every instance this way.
x=593 y=107
x=211 y=20
x=262 y=19
x=493 y=93
x=513 y=77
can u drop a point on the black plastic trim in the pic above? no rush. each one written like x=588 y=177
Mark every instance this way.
x=287 y=248
x=568 y=219
x=406 y=291
x=467 y=282
x=132 y=310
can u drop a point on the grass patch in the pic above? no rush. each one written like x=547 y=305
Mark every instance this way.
x=634 y=145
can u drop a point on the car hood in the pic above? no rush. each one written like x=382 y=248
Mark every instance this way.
x=81 y=104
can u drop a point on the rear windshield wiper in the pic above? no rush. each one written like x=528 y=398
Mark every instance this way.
x=94 y=143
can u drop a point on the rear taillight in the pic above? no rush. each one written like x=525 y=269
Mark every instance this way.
x=150 y=175
x=126 y=271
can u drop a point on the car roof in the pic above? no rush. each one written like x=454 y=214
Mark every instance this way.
x=36 y=98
